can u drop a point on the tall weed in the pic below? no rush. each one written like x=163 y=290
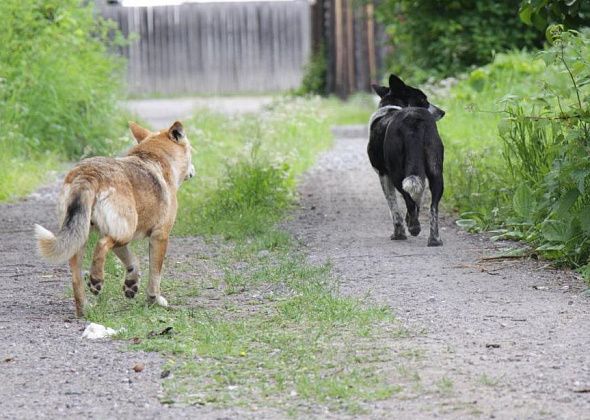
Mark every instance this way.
x=477 y=180
x=58 y=86
x=548 y=153
x=247 y=165
x=538 y=162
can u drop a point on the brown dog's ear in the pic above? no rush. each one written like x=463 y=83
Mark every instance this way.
x=138 y=132
x=176 y=131
x=380 y=90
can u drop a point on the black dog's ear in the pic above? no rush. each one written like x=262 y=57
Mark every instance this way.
x=396 y=84
x=380 y=90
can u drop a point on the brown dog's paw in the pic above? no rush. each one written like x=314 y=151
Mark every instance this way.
x=158 y=300
x=130 y=288
x=95 y=285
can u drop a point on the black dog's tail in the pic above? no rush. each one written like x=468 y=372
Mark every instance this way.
x=414 y=185
x=414 y=174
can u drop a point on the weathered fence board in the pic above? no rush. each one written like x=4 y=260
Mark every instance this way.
x=355 y=43
x=210 y=48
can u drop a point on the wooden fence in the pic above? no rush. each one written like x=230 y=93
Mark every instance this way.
x=354 y=42
x=215 y=48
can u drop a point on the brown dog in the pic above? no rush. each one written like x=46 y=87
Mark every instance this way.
x=123 y=199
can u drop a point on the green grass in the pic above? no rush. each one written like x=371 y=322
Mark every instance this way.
x=282 y=338
x=252 y=323
x=59 y=87
x=21 y=175
x=264 y=153
x=355 y=110
x=476 y=174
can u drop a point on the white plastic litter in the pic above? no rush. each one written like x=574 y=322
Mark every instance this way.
x=95 y=331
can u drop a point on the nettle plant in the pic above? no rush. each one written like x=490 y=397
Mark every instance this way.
x=546 y=140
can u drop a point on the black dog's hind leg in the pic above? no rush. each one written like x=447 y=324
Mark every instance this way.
x=436 y=190
x=399 y=231
x=413 y=211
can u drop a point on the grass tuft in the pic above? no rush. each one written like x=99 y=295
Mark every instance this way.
x=252 y=323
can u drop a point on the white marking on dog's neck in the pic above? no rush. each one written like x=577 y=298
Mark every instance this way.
x=381 y=112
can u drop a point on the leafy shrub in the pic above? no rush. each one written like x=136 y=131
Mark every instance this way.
x=246 y=165
x=477 y=178
x=431 y=37
x=541 y=13
x=58 y=84
x=249 y=198
x=315 y=75
x=548 y=150
x=530 y=179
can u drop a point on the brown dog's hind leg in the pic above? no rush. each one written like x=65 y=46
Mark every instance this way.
x=103 y=246
x=131 y=264
x=77 y=283
x=158 y=245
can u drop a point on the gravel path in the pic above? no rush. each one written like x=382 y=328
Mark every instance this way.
x=46 y=369
x=161 y=113
x=505 y=339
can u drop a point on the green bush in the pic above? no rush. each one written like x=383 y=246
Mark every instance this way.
x=315 y=75
x=246 y=166
x=440 y=38
x=548 y=152
x=58 y=83
x=250 y=198
x=475 y=169
x=541 y=13
x=530 y=177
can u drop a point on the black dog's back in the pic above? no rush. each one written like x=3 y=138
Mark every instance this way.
x=411 y=145
x=405 y=149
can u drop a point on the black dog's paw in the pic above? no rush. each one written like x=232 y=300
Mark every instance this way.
x=399 y=233
x=398 y=237
x=414 y=230
x=435 y=241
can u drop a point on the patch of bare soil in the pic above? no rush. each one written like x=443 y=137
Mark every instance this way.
x=46 y=369
x=486 y=338
x=504 y=339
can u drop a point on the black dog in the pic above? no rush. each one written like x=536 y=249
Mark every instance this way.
x=405 y=149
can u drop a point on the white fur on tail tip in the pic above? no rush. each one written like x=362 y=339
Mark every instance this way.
x=414 y=186
x=45 y=242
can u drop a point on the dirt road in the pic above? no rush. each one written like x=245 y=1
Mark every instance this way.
x=503 y=339
x=46 y=369
x=160 y=113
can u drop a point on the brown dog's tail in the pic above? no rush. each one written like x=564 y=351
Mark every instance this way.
x=73 y=233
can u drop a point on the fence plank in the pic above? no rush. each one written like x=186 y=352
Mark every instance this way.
x=208 y=48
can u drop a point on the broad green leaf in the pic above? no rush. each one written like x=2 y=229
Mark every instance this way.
x=525 y=14
x=513 y=235
x=554 y=231
x=579 y=177
x=523 y=202
x=565 y=203
x=584 y=217
x=466 y=223
x=550 y=247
